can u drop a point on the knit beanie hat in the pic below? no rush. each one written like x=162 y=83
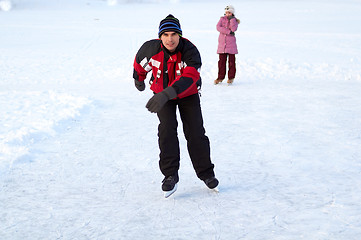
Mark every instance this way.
x=229 y=8
x=169 y=24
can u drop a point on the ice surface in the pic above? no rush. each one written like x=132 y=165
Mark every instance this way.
x=78 y=149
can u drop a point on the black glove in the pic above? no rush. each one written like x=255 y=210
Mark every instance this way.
x=156 y=103
x=231 y=33
x=140 y=85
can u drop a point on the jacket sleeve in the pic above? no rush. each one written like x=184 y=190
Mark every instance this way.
x=221 y=28
x=139 y=72
x=192 y=61
x=141 y=61
x=233 y=24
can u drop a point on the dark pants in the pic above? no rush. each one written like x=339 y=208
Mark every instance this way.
x=222 y=66
x=197 y=141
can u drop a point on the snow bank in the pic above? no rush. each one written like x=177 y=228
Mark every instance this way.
x=29 y=116
x=284 y=69
x=5 y=5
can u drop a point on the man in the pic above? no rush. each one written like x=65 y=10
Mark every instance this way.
x=175 y=63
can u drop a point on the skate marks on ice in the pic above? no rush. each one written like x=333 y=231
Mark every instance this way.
x=188 y=214
x=186 y=194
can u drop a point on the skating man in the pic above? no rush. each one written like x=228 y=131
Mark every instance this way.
x=175 y=64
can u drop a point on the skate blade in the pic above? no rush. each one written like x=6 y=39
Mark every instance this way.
x=215 y=189
x=168 y=193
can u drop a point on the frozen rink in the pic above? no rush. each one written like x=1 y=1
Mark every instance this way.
x=78 y=149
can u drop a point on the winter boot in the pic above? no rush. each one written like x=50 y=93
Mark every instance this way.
x=217 y=81
x=211 y=182
x=230 y=81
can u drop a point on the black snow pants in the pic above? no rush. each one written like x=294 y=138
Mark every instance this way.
x=194 y=132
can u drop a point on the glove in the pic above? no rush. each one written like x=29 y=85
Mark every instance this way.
x=156 y=103
x=140 y=85
x=231 y=33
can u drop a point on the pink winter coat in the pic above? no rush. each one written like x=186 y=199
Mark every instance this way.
x=226 y=42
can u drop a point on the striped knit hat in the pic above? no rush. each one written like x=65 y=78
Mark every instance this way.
x=169 y=24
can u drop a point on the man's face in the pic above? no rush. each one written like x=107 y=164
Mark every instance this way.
x=170 y=40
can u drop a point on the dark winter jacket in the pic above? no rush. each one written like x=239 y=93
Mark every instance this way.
x=182 y=65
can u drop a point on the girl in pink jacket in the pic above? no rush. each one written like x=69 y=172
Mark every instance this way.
x=227 y=46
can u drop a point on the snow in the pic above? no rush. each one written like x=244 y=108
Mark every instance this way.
x=78 y=149
x=5 y=5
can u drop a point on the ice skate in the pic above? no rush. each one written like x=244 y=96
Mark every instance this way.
x=169 y=185
x=217 y=81
x=211 y=182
